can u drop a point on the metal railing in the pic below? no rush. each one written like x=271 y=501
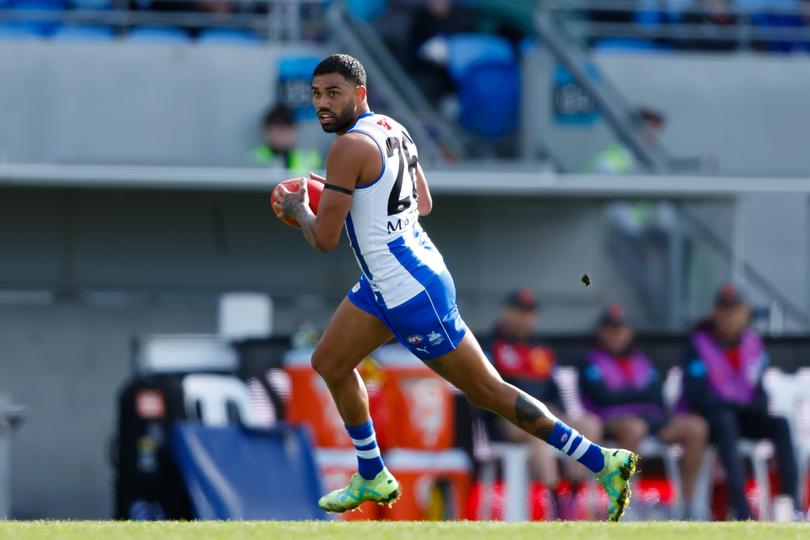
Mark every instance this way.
x=694 y=26
x=274 y=20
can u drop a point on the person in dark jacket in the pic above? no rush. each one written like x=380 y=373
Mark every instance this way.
x=619 y=384
x=724 y=364
x=530 y=367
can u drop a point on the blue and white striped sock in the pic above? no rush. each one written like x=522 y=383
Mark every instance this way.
x=571 y=443
x=369 y=460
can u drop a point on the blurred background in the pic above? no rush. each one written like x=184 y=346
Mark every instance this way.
x=152 y=308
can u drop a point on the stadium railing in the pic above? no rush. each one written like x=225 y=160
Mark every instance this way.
x=274 y=20
x=630 y=25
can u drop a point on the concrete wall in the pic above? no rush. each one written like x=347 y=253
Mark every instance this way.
x=136 y=103
x=747 y=114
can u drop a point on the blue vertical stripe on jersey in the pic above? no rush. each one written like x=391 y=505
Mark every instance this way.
x=356 y=246
x=403 y=253
x=382 y=157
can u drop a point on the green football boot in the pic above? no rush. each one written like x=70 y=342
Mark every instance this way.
x=620 y=466
x=383 y=489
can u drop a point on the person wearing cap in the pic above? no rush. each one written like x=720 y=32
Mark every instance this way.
x=724 y=364
x=530 y=367
x=620 y=385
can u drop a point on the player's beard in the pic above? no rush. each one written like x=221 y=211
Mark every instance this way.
x=343 y=121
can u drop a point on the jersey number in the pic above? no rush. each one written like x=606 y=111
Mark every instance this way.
x=395 y=203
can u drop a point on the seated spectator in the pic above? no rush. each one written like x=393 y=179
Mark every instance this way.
x=431 y=24
x=618 y=158
x=530 y=367
x=725 y=361
x=279 y=149
x=619 y=384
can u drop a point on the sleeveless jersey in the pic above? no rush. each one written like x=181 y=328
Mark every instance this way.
x=393 y=251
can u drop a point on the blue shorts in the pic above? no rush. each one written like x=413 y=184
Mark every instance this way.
x=428 y=324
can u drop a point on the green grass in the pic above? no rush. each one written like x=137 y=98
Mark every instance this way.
x=70 y=530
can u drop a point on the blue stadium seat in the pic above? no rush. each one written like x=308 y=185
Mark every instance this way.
x=158 y=34
x=467 y=50
x=234 y=473
x=22 y=31
x=225 y=36
x=489 y=98
x=90 y=4
x=633 y=45
x=84 y=33
x=367 y=10
x=293 y=87
x=45 y=26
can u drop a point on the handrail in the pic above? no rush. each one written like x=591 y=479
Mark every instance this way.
x=704 y=232
x=450 y=136
x=616 y=110
x=350 y=42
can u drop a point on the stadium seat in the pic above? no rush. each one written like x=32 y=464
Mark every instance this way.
x=225 y=36
x=84 y=33
x=90 y=4
x=19 y=31
x=465 y=51
x=633 y=45
x=367 y=10
x=234 y=473
x=294 y=73
x=158 y=34
x=489 y=96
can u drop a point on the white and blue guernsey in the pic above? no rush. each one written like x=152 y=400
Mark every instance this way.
x=404 y=280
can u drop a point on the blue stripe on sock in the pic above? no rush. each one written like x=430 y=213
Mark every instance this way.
x=559 y=435
x=362 y=431
x=575 y=445
x=370 y=446
x=367 y=468
x=593 y=458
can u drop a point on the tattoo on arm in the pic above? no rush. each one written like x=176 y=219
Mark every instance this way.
x=306 y=220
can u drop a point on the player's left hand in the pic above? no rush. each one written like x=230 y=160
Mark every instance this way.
x=288 y=203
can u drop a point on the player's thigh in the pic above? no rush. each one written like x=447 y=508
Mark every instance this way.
x=351 y=335
x=468 y=369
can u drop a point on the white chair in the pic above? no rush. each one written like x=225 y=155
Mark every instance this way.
x=568 y=381
x=789 y=396
x=211 y=398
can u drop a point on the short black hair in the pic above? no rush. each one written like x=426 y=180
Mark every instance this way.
x=648 y=115
x=348 y=66
x=278 y=115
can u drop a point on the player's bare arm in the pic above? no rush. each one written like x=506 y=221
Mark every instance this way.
x=351 y=161
x=425 y=202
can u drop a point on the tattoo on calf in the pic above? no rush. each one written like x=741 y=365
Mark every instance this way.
x=527 y=413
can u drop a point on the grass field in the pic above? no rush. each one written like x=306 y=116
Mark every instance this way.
x=54 y=530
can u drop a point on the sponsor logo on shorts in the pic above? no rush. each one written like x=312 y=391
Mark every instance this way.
x=435 y=338
x=422 y=350
x=415 y=339
x=356 y=287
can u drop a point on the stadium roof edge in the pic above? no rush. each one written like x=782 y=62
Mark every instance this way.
x=445 y=181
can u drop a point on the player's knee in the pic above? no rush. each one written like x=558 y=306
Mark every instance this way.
x=325 y=364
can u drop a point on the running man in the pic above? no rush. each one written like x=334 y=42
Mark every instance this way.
x=376 y=188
